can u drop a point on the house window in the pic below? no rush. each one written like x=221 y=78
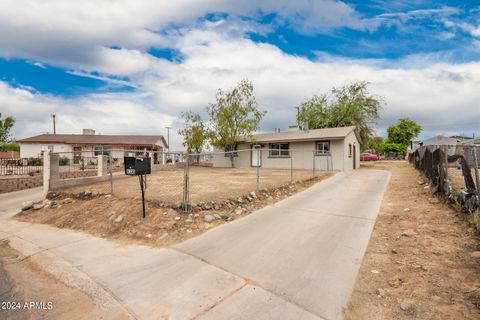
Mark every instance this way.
x=279 y=150
x=350 y=150
x=229 y=150
x=323 y=147
x=103 y=150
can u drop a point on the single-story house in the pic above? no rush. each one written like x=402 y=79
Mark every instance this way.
x=89 y=144
x=319 y=149
x=439 y=140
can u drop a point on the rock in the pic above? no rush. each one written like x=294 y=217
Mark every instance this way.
x=375 y=271
x=189 y=230
x=149 y=236
x=209 y=218
x=407 y=306
x=95 y=193
x=38 y=206
x=119 y=219
x=26 y=205
x=216 y=206
x=395 y=282
x=226 y=218
x=176 y=206
x=164 y=236
x=217 y=216
x=177 y=218
x=240 y=200
x=171 y=212
x=380 y=292
x=394 y=251
x=406 y=210
x=475 y=254
x=67 y=200
x=108 y=196
x=421 y=183
x=250 y=199
x=189 y=221
x=408 y=233
x=238 y=211
x=253 y=195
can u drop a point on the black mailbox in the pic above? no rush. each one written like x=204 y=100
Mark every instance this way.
x=135 y=166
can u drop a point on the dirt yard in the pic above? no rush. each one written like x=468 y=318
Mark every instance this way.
x=22 y=282
x=120 y=217
x=423 y=259
x=206 y=183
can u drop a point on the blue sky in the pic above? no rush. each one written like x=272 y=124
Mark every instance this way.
x=134 y=66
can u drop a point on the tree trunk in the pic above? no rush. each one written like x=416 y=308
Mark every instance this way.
x=231 y=159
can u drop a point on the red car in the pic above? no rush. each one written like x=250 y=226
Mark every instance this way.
x=368 y=156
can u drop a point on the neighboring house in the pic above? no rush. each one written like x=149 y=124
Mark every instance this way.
x=475 y=141
x=439 y=140
x=89 y=144
x=330 y=148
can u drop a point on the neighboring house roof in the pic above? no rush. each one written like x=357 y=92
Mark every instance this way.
x=471 y=141
x=313 y=134
x=88 y=139
x=440 y=140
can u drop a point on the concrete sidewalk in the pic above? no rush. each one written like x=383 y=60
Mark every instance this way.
x=295 y=260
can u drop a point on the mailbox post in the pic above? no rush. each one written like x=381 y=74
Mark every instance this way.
x=139 y=166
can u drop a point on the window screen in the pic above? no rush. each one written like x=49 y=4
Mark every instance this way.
x=323 y=147
x=279 y=150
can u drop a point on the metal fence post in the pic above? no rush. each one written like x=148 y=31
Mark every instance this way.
x=186 y=187
x=313 y=163
x=110 y=160
x=291 y=168
x=258 y=177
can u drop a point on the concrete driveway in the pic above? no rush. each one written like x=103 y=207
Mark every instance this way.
x=295 y=260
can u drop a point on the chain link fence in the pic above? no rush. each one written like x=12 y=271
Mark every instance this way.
x=453 y=170
x=183 y=180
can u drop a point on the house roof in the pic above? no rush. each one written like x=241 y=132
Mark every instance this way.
x=86 y=139
x=440 y=140
x=313 y=134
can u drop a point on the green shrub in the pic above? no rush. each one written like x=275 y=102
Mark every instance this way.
x=394 y=147
x=12 y=146
x=64 y=161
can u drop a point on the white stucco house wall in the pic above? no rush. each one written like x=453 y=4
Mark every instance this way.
x=89 y=144
x=320 y=149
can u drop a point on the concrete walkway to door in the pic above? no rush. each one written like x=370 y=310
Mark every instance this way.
x=297 y=259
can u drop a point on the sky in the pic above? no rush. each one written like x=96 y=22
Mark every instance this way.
x=132 y=67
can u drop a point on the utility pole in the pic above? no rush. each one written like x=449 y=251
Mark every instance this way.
x=168 y=137
x=298 y=112
x=54 y=129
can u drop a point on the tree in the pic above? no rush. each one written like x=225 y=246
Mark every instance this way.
x=234 y=114
x=194 y=133
x=376 y=143
x=5 y=127
x=350 y=105
x=403 y=132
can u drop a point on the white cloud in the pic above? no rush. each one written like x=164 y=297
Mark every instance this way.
x=78 y=35
x=442 y=97
x=70 y=32
x=474 y=31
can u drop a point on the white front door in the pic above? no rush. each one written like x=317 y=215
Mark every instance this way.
x=256 y=156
